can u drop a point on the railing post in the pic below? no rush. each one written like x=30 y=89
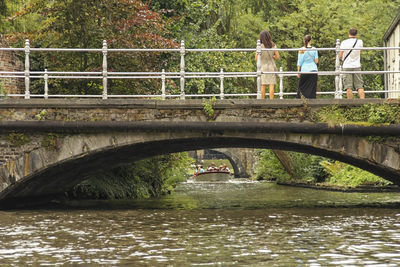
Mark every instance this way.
x=27 y=71
x=182 y=69
x=280 y=83
x=258 y=51
x=221 y=86
x=46 y=84
x=338 y=90
x=105 y=90
x=385 y=76
x=163 y=84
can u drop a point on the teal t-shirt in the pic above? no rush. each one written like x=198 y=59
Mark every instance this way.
x=306 y=60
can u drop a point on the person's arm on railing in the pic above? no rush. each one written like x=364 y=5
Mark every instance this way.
x=300 y=60
x=276 y=55
x=316 y=57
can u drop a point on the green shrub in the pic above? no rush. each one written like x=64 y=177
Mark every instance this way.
x=382 y=114
x=347 y=175
x=305 y=167
x=269 y=167
x=208 y=108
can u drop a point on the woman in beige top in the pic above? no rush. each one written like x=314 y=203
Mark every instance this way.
x=268 y=64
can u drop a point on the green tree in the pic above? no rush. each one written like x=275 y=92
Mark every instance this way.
x=327 y=21
x=3 y=8
x=14 y=20
x=85 y=24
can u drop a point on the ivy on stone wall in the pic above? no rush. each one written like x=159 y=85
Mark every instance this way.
x=368 y=114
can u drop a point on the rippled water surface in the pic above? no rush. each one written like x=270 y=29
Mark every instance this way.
x=235 y=224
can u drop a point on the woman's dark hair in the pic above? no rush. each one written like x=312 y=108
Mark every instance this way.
x=307 y=39
x=266 y=39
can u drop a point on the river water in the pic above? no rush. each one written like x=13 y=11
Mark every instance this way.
x=210 y=224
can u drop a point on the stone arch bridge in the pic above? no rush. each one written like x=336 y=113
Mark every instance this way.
x=48 y=146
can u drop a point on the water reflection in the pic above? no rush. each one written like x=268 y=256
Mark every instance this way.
x=250 y=229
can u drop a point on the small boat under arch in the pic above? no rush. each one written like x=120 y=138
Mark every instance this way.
x=213 y=176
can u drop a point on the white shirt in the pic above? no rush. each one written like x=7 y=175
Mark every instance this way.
x=353 y=60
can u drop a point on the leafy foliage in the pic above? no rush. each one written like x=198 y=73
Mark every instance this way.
x=208 y=108
x=365 y=114
x=85 y=24
x=142 y=179
x=346 y=175
x=14 y=20
x=3 y=7
x=314 y=169
x=202 y=24
x=269 y=167
x=383 y=114
x=306 y=168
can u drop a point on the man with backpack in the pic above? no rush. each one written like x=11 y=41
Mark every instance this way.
x=351 y=62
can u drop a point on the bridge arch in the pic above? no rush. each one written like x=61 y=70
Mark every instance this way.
x=48 y=172
x=237 y=165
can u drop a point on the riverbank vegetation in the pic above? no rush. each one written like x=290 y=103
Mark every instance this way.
x=309 y=169
x=143 y=179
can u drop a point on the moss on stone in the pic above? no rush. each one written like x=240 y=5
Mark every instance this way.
x=368 y=114
x=51 y=141
x=18 y=139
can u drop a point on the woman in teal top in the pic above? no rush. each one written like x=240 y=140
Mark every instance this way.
x=307 y=62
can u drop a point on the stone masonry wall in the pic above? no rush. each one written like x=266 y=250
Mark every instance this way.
x=10 y=62
x=13 y=145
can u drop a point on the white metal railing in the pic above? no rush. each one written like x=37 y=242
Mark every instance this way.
x=182 y=75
